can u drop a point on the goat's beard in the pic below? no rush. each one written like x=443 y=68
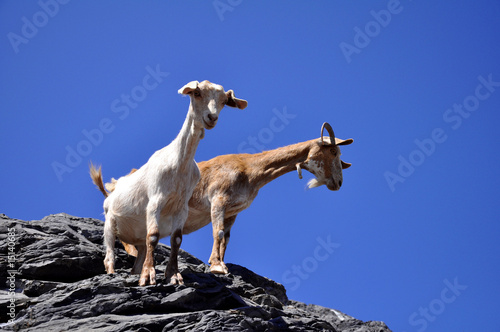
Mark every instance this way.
x=313 y=183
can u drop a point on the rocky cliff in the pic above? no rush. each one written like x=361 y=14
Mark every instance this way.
x=53 y=280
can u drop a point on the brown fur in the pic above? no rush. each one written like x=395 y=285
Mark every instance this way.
x=230 y=183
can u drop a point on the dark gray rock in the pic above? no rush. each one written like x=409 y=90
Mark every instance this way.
x=58 y=282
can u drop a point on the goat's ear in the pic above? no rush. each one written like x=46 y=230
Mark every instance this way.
x=188 y=88
x=345 y=165
x=339 y=141
x=232 y=101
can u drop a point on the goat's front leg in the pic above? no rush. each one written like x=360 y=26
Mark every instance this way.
x=228 y=223
x=217 y=214
x=148 y=274
x=172 y=270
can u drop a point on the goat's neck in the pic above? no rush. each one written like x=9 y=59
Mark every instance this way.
x=269 y=165
x=186 y=142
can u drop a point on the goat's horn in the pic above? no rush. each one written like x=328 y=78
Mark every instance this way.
x=330 y=132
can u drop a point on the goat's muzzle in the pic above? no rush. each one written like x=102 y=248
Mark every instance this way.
x=210 y=121
x=333 y=184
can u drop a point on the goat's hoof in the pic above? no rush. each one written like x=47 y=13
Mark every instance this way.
x=176 y=279
x=219 y=269
x=109 y=265
x=148 y=277
x=110 y=270
x=144 y=281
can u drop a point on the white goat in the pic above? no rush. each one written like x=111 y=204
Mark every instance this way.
x=152 y=202
x=230 y=183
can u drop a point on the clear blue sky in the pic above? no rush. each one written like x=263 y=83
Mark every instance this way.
x=414 y=231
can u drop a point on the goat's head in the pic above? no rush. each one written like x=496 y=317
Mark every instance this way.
x=324 y=160
x=208 y=99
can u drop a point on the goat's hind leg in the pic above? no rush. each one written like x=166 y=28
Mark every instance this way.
x=109 y=242
x=139 y=259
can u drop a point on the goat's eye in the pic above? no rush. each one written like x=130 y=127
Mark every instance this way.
x=197 y=93
x=334 y=151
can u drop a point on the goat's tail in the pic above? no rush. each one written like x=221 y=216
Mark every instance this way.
x=96 y=175
x=130 y=249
